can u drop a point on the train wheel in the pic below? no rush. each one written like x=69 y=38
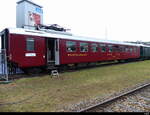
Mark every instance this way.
x=63 y=68
x=121 y=61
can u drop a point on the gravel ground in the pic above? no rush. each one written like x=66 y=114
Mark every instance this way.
x=138 y=102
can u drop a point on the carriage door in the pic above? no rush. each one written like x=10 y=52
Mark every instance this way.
x=52 y=51
x=35 y=52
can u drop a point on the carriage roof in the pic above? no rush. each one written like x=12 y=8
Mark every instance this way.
x=64 y=35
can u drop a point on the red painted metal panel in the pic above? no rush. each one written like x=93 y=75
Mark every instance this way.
x=80 y=57
x=18 y=51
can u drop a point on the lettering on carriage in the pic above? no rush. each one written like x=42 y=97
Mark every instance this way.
x=77 y=54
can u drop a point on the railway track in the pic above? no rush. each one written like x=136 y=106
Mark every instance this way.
x=135 y=100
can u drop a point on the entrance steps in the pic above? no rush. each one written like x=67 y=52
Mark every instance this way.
x=51 y=65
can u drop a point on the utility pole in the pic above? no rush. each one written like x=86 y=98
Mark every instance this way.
x=106 y=32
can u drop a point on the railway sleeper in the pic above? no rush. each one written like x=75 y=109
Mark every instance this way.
x=128 y=109
x=108 y=110
x=146 y=94
x=141 y=105
x=144 y=98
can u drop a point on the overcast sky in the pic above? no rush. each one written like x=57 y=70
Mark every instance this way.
x=124 y=20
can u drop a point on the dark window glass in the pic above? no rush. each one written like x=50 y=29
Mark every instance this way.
x=116 y=48
x=135 y=50
x=131 y=50
x=103 y=47
x=126 y=49
x=110 y=48
x=123 y=49
x=84 y=47
x=94 y=47
x=30 y=44
x=71 y=46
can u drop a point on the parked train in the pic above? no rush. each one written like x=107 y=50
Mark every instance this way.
x=35 y=50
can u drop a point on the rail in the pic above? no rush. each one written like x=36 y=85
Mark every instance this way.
x=113 y=99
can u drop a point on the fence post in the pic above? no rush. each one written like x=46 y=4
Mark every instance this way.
x=6 y=66
x=3 y=66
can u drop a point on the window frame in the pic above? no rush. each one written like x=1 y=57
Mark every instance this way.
x=131 y=50
x=116 y=48
x=110 y=48
x=103 y=46
x=30 y=47
x=126 y=49
x=94 y=45
x=74 y=45
x=84 y=46
x=135 y=50
x=122 y=48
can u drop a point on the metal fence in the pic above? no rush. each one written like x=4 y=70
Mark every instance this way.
x=3 y=65
x=6 y=69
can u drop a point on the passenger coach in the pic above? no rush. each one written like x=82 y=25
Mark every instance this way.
x=34 y=49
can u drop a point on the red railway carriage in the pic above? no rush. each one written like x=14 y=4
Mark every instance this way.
x=95 y=51
x=33 y=48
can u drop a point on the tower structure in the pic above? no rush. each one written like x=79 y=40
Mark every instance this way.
x=29 y=14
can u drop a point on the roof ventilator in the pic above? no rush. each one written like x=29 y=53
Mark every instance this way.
x=53 y=28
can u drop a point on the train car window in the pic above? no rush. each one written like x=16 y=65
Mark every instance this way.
x=94 y=47
x=122 y=49
x=30 y=44
x=115 y=48
x=110 y=48
x=103 y=47
x=135 y=50
x=71 y=46
x=126 y=49
x=84 y=47
x=131 y=50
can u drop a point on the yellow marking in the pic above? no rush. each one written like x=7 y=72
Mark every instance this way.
x=77 y=54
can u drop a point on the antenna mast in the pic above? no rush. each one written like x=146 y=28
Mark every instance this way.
x=106 y=32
